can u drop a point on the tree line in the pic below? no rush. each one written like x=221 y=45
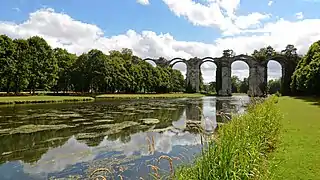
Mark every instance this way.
x=31 y=64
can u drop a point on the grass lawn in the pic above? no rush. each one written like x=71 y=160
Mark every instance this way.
x=298 y=156
x=141 y=96
x=41 y=99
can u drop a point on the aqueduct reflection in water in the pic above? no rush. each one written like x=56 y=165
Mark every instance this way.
x=59 y=137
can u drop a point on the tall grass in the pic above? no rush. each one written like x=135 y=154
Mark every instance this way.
x=240 y=148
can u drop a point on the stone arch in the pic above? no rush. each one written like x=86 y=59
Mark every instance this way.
x=150 y=59
x=249 y=60
x=210 y=59
x=287 y=70
x=174 y=61
x=255 y=81
x=216 y=62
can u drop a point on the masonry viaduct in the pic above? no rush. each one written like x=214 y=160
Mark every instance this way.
x=257 y=72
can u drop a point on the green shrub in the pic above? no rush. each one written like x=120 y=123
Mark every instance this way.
x=241 y=147
x=278 y=94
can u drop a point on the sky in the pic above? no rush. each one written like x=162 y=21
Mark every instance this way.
x=167 y=28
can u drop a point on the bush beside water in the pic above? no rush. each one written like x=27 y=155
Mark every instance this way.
x=241 y=147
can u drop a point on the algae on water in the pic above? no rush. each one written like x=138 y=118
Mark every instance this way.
x=33 y=128
x=150 y=121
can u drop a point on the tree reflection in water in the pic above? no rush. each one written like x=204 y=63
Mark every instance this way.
x=98 y=130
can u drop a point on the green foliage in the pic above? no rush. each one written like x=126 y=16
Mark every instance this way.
x=7 y=67
x=235 y=84
x=65 y=61
x=238 y=86
x=274 y=86
x=278 y=94
x=241 y=147
x=32 y=64
x=305 y=79
x=43 y=65
x=210 y=88
x=244 y=85
x=263 y=53
x=21 y=62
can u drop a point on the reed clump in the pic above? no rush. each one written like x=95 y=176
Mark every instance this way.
x=241 y=148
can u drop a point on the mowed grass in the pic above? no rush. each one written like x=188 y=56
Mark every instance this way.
x=141 y=96
x=298 y=156
x=41 y=99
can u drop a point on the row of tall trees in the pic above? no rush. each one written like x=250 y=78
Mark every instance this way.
x=32 y=64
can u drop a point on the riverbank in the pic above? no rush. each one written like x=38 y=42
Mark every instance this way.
x=298 y=154
x=60 y=99
x=142 y=96
x=241 y=149
x=41 y=99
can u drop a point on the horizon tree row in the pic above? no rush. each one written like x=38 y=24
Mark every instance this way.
x=32 y=64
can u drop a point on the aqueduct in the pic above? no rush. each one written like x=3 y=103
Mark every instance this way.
x=257 y=72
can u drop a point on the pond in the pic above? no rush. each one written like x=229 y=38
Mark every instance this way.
x=110 y=138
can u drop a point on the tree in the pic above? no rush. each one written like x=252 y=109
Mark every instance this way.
x=274 y=86
x=21 y=61
x=290 y=51
x=33 y=64
x=235 y=84
x=305 y=79
x=264 y=53
x=65 y=61
x=177 y=81
x=43 y=65
x=244 y=86
x=7 y=65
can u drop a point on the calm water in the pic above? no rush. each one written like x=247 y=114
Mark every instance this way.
x=72 y=140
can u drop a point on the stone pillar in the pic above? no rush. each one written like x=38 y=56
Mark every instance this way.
x=218 y=78
x=194 y=110
x=257 y=80
x=226 y=88
x=193 y=75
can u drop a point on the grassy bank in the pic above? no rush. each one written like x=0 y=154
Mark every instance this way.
x=298 y=154
x=241 y=147
x=41 y=99
x=141 y=96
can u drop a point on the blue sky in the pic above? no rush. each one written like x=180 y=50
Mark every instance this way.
x=169 y=28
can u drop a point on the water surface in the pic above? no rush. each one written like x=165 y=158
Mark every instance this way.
x=122 y=137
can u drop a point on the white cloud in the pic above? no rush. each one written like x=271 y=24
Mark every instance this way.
x=270 y=3
x=60 y=30
x=221 y=14
x=143 y=2
x=299 y=15
x=16 y=9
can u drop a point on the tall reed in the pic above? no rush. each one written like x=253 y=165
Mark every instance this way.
x=241 y=148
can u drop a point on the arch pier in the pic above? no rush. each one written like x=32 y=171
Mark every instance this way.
x=257 y=73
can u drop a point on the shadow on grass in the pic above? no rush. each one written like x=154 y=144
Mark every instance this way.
x=314 y=100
